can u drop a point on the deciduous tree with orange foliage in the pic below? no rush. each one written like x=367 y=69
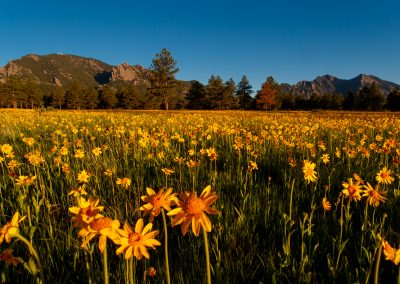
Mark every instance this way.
x=266 y=98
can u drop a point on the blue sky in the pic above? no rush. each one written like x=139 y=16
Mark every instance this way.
x=289 y=40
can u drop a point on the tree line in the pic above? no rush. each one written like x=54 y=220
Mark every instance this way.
x=164 y=91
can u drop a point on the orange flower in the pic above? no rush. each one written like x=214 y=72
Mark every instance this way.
x=11 y=229
x=134 y=242
x=154 y=202
x=193 y=209
x=105 y=227
x=86 y=212
x=384 y=176
x=9 y=258
x=374 y=197
x=326 y=204
x=124 y=182
x=167 y=171
x=308 y=169
x=352 y=190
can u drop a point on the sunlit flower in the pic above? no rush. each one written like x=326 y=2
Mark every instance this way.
x=124 y=182
x=167 y=171
x=83 y=177
x=252 y=166
x=86 y=212
x=192 y=210
x=79 y=154
x=105 y=227
x=9 y=259
x=308 y=169
x=384 y=176
x=11 y=229
x=192 y=164
x=63 y=151
x=76 y=192
x=155 y=201
x=25 y=180
x=108 y=172
x=135 y=242
x=390 y=253
x=151 y=271
x=6 y=149
x=325 y=158
x=212 y=153
x=96 y=151
x=374 y=197
x=352 y=190
x=326 y=204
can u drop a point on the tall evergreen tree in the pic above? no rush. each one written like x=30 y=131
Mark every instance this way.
x=393 y=100
x=243 y=93
x=229 y=100
x=370 y=97
x=162 y=79
x=107 y=97
x=215 y=92
x=57 y=97
x=196 y=96
x=74 y=96
x=129 y=97
x=91 y=98
x=33 y=94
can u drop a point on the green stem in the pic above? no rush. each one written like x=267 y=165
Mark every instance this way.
x=166 y=246
x=207 y=256
x=131 y=281
x=33 y=252
x=88 y=268
x=105 y=265
x=378 y=260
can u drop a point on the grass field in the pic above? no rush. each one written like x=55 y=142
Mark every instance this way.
x=302 y=196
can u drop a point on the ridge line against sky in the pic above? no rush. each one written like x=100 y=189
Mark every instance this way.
x=289 y=40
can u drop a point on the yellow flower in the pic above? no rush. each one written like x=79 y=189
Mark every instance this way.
x=105 y=227
x=192 y=164
x=10 y=229
x=193 y=209
x=326 y=204
x=135 y=242
x=308 y=169
x=390 y=253
x=25 y=180
x=384 y=176
x=63 y=151
x=155 y=201
x=6 y=149
x=86 y=212
x=76 y=192
x=9 y=258
x=374 y=197
x=124 y=182
x=167 y=171
x=96 y=151
x=325 y=158
x=252 y=166
x=212 y=154
x=79 y=154
x=83 y=177
x=352 y=190
x=108 y=172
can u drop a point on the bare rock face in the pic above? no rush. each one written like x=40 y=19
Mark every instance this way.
x=126 y=72
x=33 y=57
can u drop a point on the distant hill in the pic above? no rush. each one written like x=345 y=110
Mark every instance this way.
x=330 y=84
x=59 y=69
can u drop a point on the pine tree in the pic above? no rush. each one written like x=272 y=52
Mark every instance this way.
x=266 y=98
x=74 y=96
x=393 y=100
x=57 y=97
x=129 y=97
x=91 y=98
x=243 y=93
x=33 y=94
x=162 y=78
x=196 y=96
x=107 y=98
x=229 y=101
x=215 y=92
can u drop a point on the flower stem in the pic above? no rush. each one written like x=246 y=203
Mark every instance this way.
x=131 y=281
x=207 y=256
x=378 y=260
x=33 y=252
x=105 y=265
x=166 y=246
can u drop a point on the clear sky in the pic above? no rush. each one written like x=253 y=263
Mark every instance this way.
x=289 y=40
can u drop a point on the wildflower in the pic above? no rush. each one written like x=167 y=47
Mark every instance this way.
x=12 y=165
x=63 y=151
x=308 y=169
x=292 y=162
x=374 y=197
x=352 y=190
x=96 y=151
x=325 y=158
x=135 y=242
x=192 y=164
x=151 y=271
x=105 y=227
x=25 y=180
x=108 y=172
x=326 y=204
x=191 y=152
x=167 y=171
x=212 y=154
x=252 y=166
x=193 y=209
x=65 y=169
x=76 y=192
x=9 y=258
x=10 y=229
x=6 y=149
x=179 y=160
x=384 y=176
x=124 y=182
x=155 y=201
x=390 y=253
x=83 y=177
x=79 y=154
x=86 y=212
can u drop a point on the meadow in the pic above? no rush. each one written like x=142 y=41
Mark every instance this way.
x=265 y=197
